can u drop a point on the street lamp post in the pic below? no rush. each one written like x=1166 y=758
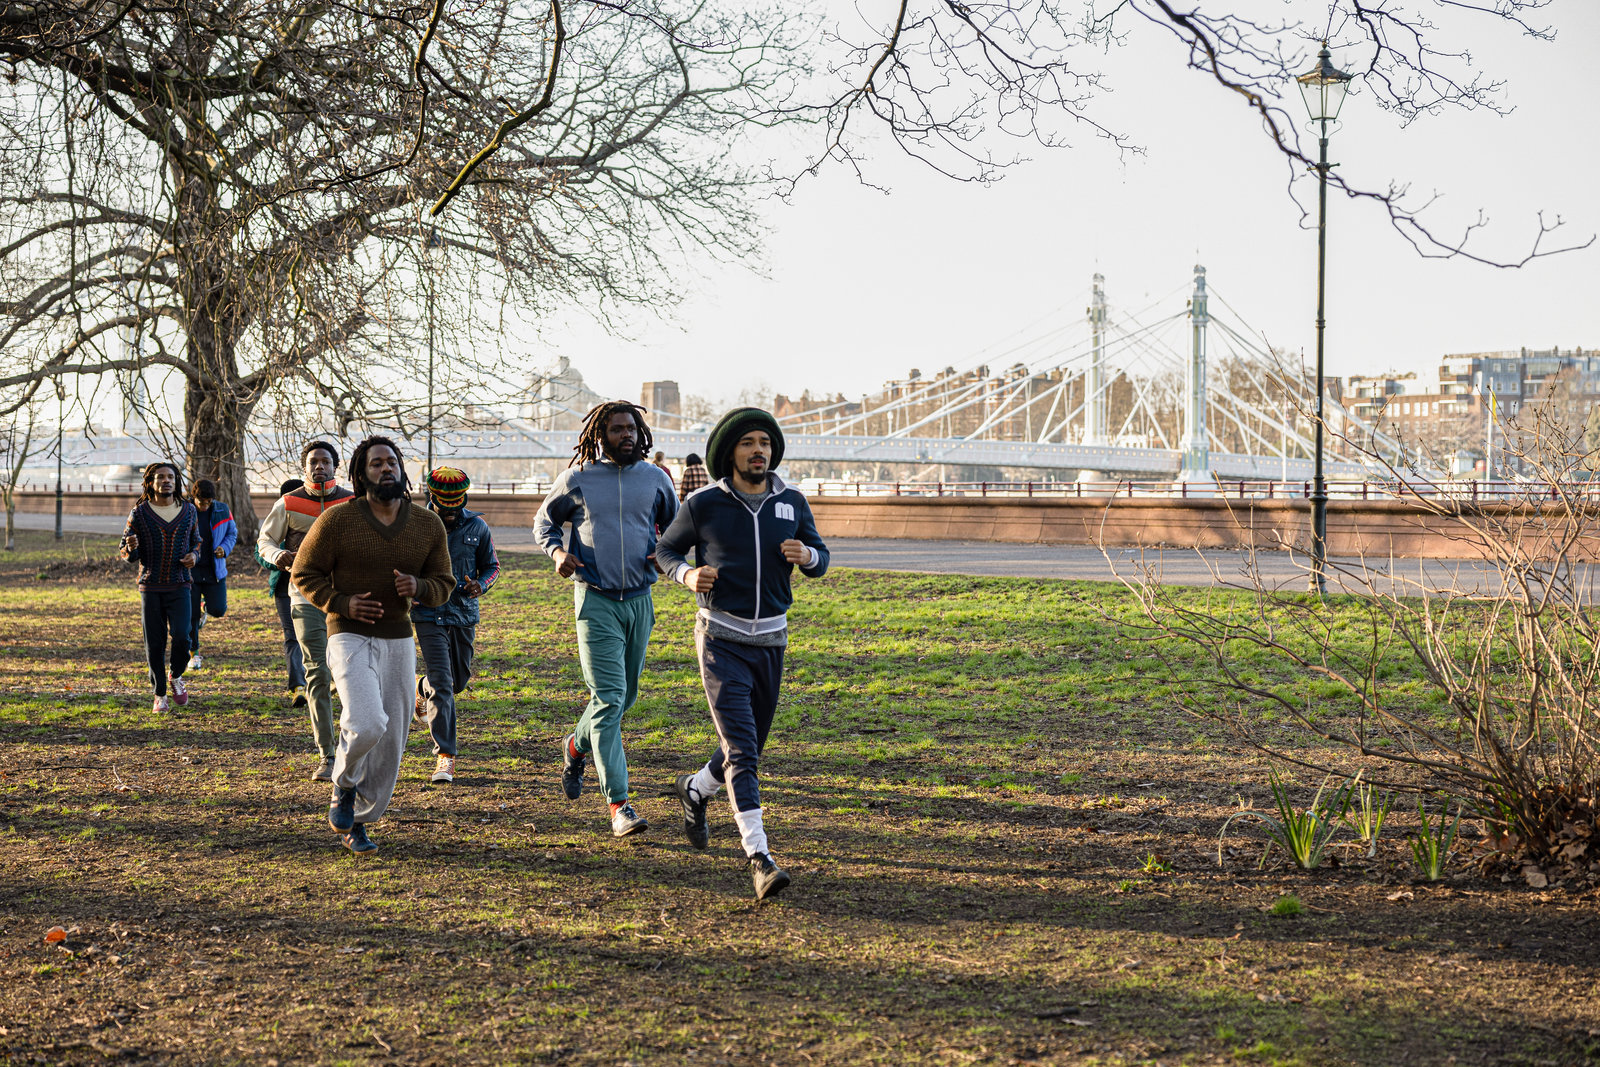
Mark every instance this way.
x=427 y=256
x=61 y=414
x=1323 y=87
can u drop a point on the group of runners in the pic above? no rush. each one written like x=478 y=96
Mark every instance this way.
x=364 y=576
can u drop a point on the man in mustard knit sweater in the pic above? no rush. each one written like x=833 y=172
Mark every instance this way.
x=364 y=564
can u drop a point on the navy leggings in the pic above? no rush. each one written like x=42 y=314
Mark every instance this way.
x=742 y=689
x=165 y=612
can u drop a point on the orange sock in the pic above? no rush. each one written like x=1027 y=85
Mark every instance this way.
x=572 y=749
x=615 y=806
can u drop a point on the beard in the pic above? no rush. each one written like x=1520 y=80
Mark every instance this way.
x=387 y=491
x=625 y=456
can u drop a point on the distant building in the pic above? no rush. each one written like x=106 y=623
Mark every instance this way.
x=558 y=401
x=661 y=398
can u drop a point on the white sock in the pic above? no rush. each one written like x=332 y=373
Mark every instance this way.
x=751 y=831
x=705 y=784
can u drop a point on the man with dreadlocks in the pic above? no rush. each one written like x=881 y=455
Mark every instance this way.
x=446 y=634
x=615 y=501
x=363 y=564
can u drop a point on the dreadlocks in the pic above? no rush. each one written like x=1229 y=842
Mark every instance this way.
x=592 y=440
x=148 y=482
x=358 y=465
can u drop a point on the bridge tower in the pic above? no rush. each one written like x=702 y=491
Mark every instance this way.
x=1094 y=385
x=1196 y=465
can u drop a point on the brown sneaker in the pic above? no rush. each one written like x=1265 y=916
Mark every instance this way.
x=445 y=770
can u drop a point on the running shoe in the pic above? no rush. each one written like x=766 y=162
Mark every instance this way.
x=357 y=840
x=297 y=696
x=625 y=821
x=769 y=878
x=161 y=707
x=445 y=769
x=196 y=661
x=180 y=693
x=571 y=769
x=695 y=827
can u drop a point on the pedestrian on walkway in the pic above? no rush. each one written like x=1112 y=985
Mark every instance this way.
x=285 y=527
x=694 y=476
x=660 y=460
x=447 y=635
x=748 y=532
x=278 y=586
x=162 y=535
x=614 y=502
x=363 y=565
x=209 y=593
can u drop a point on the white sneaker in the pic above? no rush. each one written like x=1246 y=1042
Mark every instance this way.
x=196 y=662
x=161 y=707
x=445 y=769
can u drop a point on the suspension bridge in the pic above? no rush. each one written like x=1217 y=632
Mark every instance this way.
x=1189 y=393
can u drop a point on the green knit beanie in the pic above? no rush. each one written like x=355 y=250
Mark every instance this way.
x=734 y=425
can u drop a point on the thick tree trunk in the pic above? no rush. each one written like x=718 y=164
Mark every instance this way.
x=216 y=406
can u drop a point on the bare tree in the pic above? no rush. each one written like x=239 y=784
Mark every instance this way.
x=19 y=442
x=964 y=86
x=235 y=195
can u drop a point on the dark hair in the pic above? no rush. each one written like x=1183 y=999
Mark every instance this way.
x=290 y=486
x=358 y=465
x=592 y=440
x=205 y=489
x=312 y=446
x=693 y=458
x=149 y=480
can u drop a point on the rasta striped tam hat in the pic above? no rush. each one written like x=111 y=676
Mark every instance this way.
x=448 y=487
x=734 y=425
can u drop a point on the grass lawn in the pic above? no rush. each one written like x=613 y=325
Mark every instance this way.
x=1002 y=828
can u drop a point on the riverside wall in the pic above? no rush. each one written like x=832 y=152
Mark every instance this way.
x=1375 y=529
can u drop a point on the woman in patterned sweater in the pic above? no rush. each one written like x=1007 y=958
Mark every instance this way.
x=163 y=537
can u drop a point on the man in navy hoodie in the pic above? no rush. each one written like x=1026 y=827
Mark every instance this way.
x=218 y=534
x=748 y=531
x=615 y=500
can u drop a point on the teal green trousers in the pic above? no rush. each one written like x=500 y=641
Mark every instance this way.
x=612 y=638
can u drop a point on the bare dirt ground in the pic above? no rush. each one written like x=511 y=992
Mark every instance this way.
x=1003 y=837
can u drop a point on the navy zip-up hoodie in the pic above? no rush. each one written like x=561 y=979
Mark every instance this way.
x=615 y=513
x=752 y=593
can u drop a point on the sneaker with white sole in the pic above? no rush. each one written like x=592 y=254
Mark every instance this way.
x=161 y=707
x=625 y=821
x=324 y=771
x=769 y=878
x=196 y=661
x=445 y=769
x=180 y=692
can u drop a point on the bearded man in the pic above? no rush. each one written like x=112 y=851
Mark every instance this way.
x=363 y=564
x=614 y=501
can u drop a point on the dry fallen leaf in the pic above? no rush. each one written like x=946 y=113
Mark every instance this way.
x=54 y=934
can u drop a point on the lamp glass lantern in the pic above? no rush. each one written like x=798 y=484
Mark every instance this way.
x=1323 y=87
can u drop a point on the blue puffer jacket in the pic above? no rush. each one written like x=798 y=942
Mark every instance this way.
x=472 y=556
x=752 y=592
x=217 y=530
x=615 y=513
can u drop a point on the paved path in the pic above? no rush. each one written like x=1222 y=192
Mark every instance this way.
x=1206 y=567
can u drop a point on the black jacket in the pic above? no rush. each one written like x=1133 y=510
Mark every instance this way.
x=752 y=591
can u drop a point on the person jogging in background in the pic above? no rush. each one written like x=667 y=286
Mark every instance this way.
x=285 y=527
x=694 y=476
x=615 y=502
x=447 y=634
x=363 y=565
x=162 y=535
x=209 y=593
x=278 y=586
x=748 y=532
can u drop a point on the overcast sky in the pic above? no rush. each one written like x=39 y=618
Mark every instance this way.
x=862 y=286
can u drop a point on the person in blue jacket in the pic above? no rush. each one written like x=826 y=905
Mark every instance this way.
x=447 y=634
x=218 y=534
x=615 y=500
x=749 y=531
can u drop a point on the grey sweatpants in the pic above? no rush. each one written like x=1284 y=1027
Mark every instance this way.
x=374 y=676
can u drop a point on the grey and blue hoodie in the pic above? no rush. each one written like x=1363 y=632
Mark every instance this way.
x=615 y=512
